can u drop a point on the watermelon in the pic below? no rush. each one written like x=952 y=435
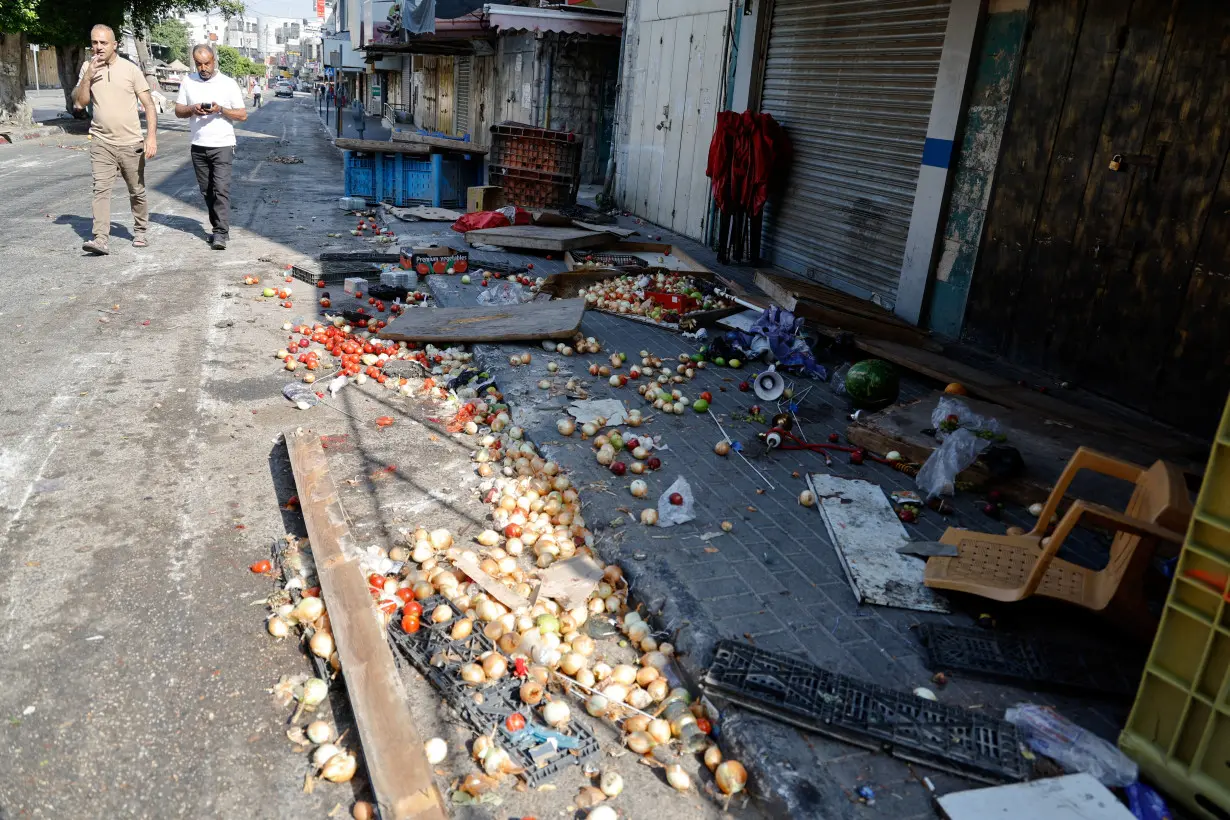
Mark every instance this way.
x=872 y=383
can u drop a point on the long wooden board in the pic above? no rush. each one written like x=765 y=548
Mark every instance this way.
x=841 y=312
x=1044 y=448
x=1186 y=452
x=392 y=749
x=380 y=147
x=439 y=143
x=556 y=319
x=538 y=237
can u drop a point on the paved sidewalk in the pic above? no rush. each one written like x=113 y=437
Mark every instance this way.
x=776 y=579
x=373 y=128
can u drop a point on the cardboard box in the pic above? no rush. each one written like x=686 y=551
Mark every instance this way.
x=484 y=198
x=437 y=259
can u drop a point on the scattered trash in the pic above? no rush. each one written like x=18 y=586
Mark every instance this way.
x=505 y=293
x=925 y=693
x=351 y=203
x=585 y=412
x=301 y=394
x=676 y=505
x=866 y=795
x=290 y=159
x=1049 y=733
x=1145 y=803
x=866 y=534
x=1073 y=795
x=938 y=475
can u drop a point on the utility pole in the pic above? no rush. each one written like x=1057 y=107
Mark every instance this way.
x=34 y=48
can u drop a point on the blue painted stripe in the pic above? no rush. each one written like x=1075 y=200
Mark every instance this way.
x=937 y=152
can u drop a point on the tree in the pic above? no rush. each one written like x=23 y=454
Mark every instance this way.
x=228 y=60
x=66 y=25
x=15 y=17
x=173 y=34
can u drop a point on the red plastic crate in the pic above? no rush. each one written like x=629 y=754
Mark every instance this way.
x=674 y=301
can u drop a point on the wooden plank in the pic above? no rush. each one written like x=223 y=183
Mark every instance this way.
x=556 y=319
x=424 y=213
x=1022 y=167
x=1045 y=448
x=861 y=321
x=1186 y=452
x=438 y=143
x=1071 y=797
x=614 y=230
x=392 y=749
x=379 y=147
x=538 y=237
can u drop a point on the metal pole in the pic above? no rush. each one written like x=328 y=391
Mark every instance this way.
x=36 y=88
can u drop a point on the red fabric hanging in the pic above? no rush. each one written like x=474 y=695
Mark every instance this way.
x=746 y=151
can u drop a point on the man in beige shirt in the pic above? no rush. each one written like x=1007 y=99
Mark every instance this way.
x=114 y=86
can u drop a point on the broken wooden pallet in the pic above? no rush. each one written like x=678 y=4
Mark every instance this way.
x=841 y=311
x=532 y=321
x=538 y=237
x=392 y=749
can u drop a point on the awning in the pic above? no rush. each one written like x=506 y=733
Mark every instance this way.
x=517 y=18
x=460 y=36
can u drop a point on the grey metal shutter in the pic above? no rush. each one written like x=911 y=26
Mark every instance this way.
x=461 y=97
x=852 y=82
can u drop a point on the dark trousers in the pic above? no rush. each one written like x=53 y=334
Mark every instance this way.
x=213 y=175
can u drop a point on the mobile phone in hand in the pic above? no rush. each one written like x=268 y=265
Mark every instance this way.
x=207 y=106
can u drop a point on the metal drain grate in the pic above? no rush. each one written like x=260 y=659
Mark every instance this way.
x=1032 y=661
x=903 y=725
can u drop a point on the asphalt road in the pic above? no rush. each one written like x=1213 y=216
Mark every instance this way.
x=138 y=479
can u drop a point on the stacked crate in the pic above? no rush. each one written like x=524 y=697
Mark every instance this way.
x=537 y=168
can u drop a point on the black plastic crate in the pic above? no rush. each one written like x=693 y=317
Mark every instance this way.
x=485 y=708
x=903 y=725
x=1033 y=662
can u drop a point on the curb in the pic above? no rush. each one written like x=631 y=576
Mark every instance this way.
x=13 y=135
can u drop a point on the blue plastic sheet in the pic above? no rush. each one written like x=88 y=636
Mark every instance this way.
x=776 y=331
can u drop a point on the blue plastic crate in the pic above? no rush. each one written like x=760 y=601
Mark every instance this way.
x=360 y=175
x=404 y=179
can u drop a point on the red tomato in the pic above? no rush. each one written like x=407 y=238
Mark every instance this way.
x=405 y=595
x=377 y=580
x=704 y=725
x=707 y=396
x=261 y=566
x=414 y=607
x=515 y=722
x=409 y=623
x=311 y=592
x=320 y=283
x=388 y=607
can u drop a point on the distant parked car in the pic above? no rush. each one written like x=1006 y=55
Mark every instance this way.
x=284 y=89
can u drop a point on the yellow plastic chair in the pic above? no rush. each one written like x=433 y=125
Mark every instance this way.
x=1014 y=567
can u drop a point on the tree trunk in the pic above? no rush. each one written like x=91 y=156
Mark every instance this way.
x=68 y=63
x=13 y=108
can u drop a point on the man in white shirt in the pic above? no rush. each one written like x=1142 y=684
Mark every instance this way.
x=211 y=101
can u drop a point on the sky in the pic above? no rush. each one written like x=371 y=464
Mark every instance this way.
x=282 y=8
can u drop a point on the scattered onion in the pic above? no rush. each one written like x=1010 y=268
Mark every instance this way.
x=713 y=756
x=531 y=692
x=649 y=517
x=321 y=644
x=807 y=498
x=678 y=778
x=473 y=674
x=278 y=627
x=639 y=742
x=319 y=732
x=566 y=427
x=340 y=768
x=322 y=754
x=611 y=783
x=731 y=777
x=556 y=713
x=436 y=750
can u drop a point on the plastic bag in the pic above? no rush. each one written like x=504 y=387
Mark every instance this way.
x=505 y=293
x=939 y=474
x=670 y=514
x=950 y=414
x=839 y=379
x=1049 y=733
x=1146 y=804
x=301 y=394
x=480 y=220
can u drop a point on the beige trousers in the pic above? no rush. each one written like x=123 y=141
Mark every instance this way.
x=128 y=161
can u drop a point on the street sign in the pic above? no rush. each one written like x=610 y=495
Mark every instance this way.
x=34 y=47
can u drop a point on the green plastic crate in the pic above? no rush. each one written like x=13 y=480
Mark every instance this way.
x=1179 y=728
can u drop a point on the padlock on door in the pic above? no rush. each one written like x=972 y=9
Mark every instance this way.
x=1116 y=162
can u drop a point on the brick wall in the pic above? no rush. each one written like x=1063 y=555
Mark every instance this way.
x=582 y=98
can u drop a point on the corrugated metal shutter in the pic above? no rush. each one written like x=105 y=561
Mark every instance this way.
x=461 y=105
x=852 y=81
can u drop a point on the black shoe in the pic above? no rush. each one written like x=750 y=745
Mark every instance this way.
x=218 y=242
